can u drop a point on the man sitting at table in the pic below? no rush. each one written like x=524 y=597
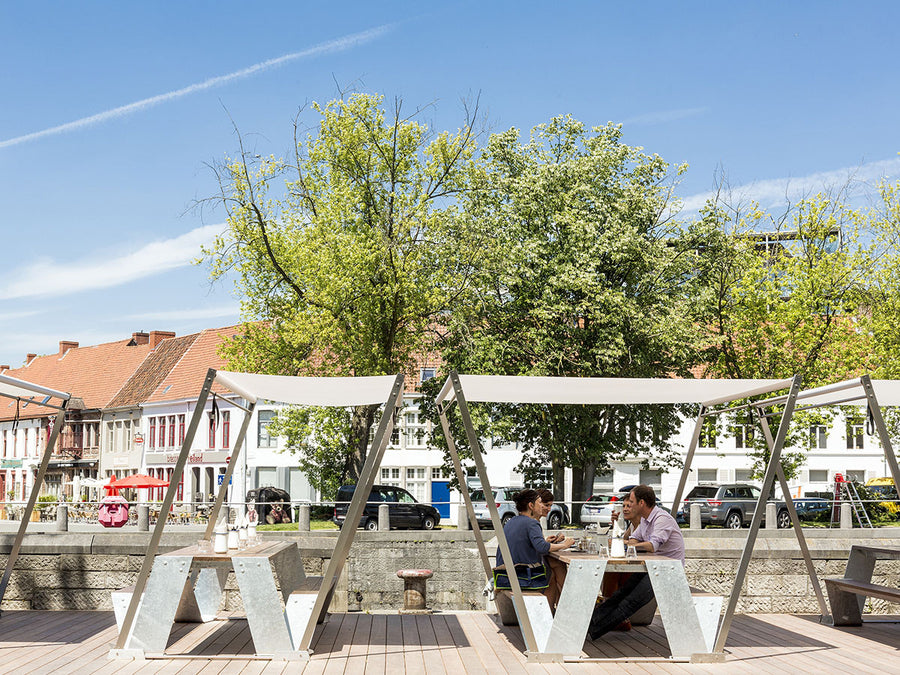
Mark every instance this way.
x=657 y=533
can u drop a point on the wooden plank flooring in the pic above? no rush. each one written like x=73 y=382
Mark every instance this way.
x=37 y=642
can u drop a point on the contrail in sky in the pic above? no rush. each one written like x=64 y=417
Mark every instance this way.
x=330 y=47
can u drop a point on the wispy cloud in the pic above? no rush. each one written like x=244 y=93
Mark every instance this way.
x=15 y=316
x=330 y=47
x=775 y=191
x=184 y=314
x=52 y=277
x=664 y=116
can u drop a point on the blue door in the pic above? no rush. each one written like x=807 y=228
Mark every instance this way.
x=440 y=497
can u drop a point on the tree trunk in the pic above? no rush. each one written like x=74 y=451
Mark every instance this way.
x=577 y=491
x=559 y=481
x=360 y=423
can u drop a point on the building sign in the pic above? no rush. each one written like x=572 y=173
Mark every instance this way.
x=138 y=439
x=196 y=457
x=10 y=463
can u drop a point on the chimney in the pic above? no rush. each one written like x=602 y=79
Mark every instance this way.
x=29 y=358
x=3 y=369
x=157 y=336
x=66 y=345
x=140 y=338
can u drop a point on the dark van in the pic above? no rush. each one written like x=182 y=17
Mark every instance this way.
x=403 y=509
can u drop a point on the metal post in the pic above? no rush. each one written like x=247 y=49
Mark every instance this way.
x=354 y=511
x=32 y=498
x=472 y=437
x=464 y=488
x=798 y=529
x=169 y=498
x=881 y=427
x=688 y=460
x=768 y=482
x=226 y=479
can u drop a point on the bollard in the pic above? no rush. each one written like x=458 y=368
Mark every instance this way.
x=384 y=518
x=846 y=517
x=143 y=511
x=462 y=518
x=771 y=517
x=62 y=518
x=303 y=518
x=695 y=517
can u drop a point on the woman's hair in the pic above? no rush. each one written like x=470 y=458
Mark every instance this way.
x=546 y=496
x=524 y=498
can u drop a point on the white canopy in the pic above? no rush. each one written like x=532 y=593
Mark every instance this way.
x=849 y=392
x=13 y=388
x=605 y=390
x=319 y=391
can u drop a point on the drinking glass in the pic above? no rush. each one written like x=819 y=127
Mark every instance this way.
x=631 y=552
x=604 y=551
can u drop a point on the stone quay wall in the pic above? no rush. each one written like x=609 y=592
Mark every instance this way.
x=58 y=571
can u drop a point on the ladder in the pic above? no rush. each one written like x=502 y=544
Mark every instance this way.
x=846 y=490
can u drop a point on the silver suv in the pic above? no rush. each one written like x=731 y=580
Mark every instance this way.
x=730 y=505
x=503 y=498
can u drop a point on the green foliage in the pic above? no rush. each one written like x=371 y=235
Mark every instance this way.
x=585 y=277
x=319 y=437
x=344 y=255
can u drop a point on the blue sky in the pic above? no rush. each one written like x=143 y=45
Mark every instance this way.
x=110 y=113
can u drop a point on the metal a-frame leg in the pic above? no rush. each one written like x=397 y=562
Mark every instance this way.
x=141 y=582
x=798 y=530
x=531 y=644
x=881 y=427
x=768 y=482
x=354 y=512
x=688 y=461
x=32 y=498
x=463 y=488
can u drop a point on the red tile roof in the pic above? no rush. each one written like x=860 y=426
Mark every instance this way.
x=186 y=378
x=155 y=368
x=95 y=374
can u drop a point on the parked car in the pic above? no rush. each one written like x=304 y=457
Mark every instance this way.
x=598 y=508
x=884 y=488
x=503 y=498
x=730 y=505
x=810 y=508
x=403 y=509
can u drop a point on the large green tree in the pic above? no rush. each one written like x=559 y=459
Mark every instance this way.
x=586 y=277
x=344 y=253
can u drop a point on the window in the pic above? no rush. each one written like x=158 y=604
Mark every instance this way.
x=171 y=429
x=707 y=475
x=180 y=430
x=543 y=478
x=110 y=437
x=152 y=440
x=854 y=436
x=652 y=477
x=212 y=431
x=264 y=439
x=818 y=436
x=390 y=476
x=226 y=429
x=603 y=482
x=858 y=475
x=161 y=432
x=708 y=433
x=426 y=374
x=438 y=473
x=742 y=475
x=743 y=436
x=818 y=475
x=416 y=483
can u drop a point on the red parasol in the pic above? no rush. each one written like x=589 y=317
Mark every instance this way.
x=138 y=480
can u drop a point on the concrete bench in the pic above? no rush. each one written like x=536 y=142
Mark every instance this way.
x=300 y=604
x=847 y=597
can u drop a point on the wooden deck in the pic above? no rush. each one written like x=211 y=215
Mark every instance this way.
x=474 y=642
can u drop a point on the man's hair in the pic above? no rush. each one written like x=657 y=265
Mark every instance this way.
x=546 y=496
x=646 y=493
x=523 y=498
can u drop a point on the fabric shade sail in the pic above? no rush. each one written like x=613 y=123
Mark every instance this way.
x=605 y=390
x=15 y=388
x=319 y=391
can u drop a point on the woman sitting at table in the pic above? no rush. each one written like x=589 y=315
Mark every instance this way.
x=527 y=546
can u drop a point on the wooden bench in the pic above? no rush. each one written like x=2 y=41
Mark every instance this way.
x=848 y=594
